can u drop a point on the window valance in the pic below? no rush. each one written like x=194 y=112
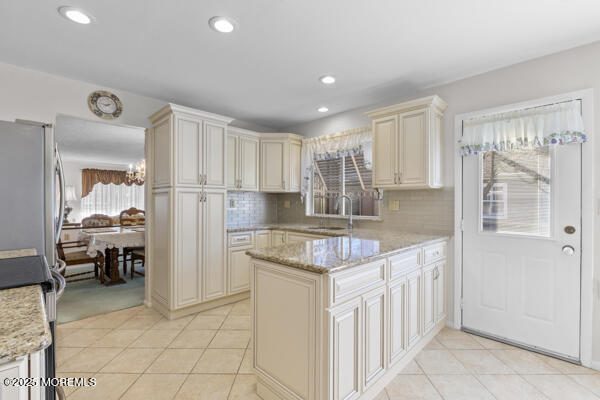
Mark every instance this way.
x=554 y=124
x=335 y=145
x=90 y=177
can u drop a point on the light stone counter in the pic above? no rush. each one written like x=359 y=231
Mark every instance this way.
x=333 y=254
x=24 y=325
x=308 y=229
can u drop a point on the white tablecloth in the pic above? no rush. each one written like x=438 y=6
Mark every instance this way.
x=100 y=239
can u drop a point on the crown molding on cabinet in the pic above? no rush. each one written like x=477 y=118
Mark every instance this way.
x=174 y=108
x=424 y=102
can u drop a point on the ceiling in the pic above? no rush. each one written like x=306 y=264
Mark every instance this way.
x=266 y=71
x=96 y=144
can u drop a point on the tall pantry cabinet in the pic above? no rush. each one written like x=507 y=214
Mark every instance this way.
x=188 y=223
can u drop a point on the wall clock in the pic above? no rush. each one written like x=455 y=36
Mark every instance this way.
x=105 y=104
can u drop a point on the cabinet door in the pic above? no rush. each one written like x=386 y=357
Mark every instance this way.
x=374 y=335
x=412 y=131
x=428 y=298
x=272 y=160
x=248 y=165
x=214 y=238
x=188 y=158
x=345 y=345
x=214 y=155
x=161 y=153
x=188 y=252
x=277 y=238
x=232 y=161
x=440 y=291
x=397 y=320
x=385 y=167
x=413 y=307
x=295 y=167
x=14 y=370
x=239 y=270
x=263 y=239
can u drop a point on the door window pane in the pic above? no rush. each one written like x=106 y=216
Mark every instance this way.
x=516 y=192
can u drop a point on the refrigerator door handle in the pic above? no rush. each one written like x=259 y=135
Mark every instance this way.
x=61 y=209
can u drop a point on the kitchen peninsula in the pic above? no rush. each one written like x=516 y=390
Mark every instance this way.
x=339 y=317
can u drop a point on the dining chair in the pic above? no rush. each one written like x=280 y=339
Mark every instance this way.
x=129 y=217
x=96 y=220
x=138 y=254
x=79 y=257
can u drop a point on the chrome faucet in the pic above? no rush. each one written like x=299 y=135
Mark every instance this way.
x=342 y=197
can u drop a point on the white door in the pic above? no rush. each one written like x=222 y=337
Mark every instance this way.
x=239 y=270
x=521 y=210
x=397 y=320
x=295 y=168
x=412 y=134
x=385 y=170
x=374 y=335
x=345 y=327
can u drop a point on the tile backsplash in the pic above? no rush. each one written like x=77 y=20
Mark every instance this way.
x=422 y=211
x=251 y=208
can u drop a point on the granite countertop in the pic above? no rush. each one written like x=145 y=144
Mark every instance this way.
x=309 y=229
x=18 y=253
x=24 y=326
x=333 y=254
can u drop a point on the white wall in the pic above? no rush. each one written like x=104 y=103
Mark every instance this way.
x=38 y=96
x=562 y=72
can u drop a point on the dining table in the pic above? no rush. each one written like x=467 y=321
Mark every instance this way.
x=110 y=240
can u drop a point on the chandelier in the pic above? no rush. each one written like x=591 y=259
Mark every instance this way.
x=138 y=175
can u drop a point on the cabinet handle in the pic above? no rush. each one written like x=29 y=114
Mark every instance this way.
x=283 y=182
x=396 y=178
x=400 y=178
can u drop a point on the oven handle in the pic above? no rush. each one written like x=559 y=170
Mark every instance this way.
x=60 y=281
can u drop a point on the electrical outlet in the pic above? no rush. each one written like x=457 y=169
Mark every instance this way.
x=394 y=205
x=232 y=203
x=287 y=204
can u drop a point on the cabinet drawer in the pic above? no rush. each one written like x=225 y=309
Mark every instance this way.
x=403 y=262
x=241 y=239
x=434 y=252
x=357 y=280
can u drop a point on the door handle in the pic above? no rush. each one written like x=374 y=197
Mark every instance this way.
x=568 y=250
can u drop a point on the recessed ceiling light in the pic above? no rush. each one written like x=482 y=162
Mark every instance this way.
x=323 y=109
x=75 y=15
x=327 y=79
x=222 y=24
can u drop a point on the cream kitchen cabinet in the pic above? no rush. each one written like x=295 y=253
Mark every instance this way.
x=263 y=239
x=280 y=155
x=189 y=148
x=407 y=144
x=344 y=334
x=439 y=291
x=242 y=160
x=429 y=297
x=278 y=238
x=187 y=229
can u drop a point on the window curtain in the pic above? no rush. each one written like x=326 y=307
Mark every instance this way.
x=90 y=177
x=111 y=199
x=335 y=145
x=555 y=124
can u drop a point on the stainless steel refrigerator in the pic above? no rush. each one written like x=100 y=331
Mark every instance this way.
x=31 y=214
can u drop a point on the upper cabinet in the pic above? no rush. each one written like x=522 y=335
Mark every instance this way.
x=189 y=148
x=407 y=144
x=280 y=155
x=242 y=159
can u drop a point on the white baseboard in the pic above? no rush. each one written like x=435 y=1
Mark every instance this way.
x=595 y=365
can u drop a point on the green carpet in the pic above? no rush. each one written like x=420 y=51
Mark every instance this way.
x=88 y=298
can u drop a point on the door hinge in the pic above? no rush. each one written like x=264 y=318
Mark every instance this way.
x=462 y=224
x=462 y=303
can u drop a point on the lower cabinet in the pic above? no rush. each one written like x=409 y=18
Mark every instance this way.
x=397 y=311
x=345 y=328
x=440 y=291
x=263 y=239
x=277 y=238
x=429 y=296
x=374 y=305
x=413 y=307
x=14 y=370
x=239 y=269
x=214 y=233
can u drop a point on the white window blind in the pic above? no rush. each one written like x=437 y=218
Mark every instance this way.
x=343 y=175
x=112 y=199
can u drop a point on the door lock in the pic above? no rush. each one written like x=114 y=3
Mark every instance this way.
x=569 y=230
x=568 y=250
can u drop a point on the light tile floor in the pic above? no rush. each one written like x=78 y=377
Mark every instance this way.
x=138 y=354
